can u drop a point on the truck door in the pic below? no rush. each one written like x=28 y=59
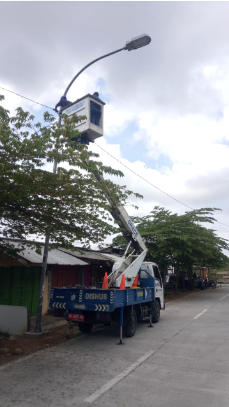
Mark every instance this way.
x=159 y=289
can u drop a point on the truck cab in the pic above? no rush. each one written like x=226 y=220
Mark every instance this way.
x=151 y=269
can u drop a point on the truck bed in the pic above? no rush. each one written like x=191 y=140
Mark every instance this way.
x=98 y=299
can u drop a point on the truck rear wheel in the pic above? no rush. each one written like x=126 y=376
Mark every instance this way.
x=85 y=328
x=130 y=322
x=155 y=312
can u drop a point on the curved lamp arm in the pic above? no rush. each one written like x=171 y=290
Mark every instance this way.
x=86 y=66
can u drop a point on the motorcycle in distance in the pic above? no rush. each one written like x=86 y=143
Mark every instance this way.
x=210 y=283
x=198 y=283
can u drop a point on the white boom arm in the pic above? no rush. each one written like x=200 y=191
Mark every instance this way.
x=129 y=266
x=128 y=224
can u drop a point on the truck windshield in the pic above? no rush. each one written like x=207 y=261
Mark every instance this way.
x=157 y=274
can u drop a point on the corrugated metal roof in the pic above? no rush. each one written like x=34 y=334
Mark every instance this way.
x=84 y=254
x=113 y=257
x=63 y=256
x=92 y=255
x=55 y=256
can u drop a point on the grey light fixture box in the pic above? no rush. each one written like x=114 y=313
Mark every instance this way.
x=138 y=42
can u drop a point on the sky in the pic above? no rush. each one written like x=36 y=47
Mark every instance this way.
x=167 y=105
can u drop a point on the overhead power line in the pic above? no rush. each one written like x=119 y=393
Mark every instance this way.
x=150 y=183
x=24 y=97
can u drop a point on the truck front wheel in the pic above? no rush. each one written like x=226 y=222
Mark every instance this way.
x=85 y=328
x=130 y=322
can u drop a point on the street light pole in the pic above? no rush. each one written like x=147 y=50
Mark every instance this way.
x=135 y=43
x=90 y=63
x=38 y=329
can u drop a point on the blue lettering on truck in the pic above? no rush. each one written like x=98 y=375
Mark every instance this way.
x=133 y=229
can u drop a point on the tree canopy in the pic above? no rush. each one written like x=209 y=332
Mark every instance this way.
x=68 y=205
x=181 y=240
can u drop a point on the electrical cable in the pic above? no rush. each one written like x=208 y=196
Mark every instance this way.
x=154 y=186
x=24 y=97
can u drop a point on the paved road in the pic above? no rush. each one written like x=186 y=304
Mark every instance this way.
x=182 y=362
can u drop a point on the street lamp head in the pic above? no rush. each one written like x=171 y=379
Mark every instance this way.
x=138 y=42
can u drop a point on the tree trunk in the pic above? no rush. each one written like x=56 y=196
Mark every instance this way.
x=164 y=271
x=176 y=285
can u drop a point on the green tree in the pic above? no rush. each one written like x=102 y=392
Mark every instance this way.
x=181 y=240
x=69 y=205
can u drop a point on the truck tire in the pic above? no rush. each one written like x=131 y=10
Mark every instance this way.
x=85 y=328
x=130 y=322
x=155 y=312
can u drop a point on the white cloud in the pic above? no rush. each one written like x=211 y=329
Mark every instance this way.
x=175 y=91
x=11 y=101
x=117 y=119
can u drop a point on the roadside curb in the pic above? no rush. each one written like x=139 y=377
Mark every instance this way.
x=186 y=296
x=178 y=299
x=51 y=325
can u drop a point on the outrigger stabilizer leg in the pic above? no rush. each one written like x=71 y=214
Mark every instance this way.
x=121 y=325
x=67 y=336
x=150 y=319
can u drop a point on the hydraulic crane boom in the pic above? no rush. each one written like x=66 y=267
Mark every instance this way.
x=129 y=266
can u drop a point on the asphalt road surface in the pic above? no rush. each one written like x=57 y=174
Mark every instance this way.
x=182 y=362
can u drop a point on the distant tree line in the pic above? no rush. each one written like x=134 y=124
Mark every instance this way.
x=181 y=241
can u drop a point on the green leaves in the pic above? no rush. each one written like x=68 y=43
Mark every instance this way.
x=181 y=240
x=70 y=205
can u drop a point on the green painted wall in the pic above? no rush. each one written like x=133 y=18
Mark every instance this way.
x=20 y=286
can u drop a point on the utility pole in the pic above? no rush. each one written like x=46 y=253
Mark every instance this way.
x=135 y=43
x=38 y=329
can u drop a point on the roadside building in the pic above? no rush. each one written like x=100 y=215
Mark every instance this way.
x=97 y=264
x=20 y=278
x=222 y=276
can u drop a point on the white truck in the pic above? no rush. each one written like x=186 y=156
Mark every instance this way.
x=121 y=301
